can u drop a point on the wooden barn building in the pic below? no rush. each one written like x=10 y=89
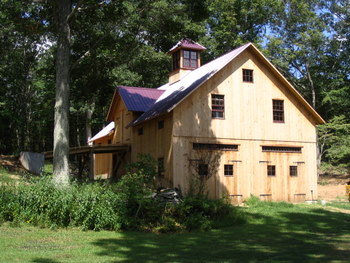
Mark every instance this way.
x=235 y=121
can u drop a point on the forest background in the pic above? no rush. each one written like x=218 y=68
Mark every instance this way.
x=124 y=42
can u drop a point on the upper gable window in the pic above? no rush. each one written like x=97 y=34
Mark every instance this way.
x=190 y=59
x=217 y=106
x=278 y=110
x=176 y=60
x=247 y=75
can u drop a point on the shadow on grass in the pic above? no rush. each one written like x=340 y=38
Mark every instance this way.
x=316 y=235
x=44 y=260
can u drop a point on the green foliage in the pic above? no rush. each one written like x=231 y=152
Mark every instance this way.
x=127 y=204
x=146 y=167
x=334 y=141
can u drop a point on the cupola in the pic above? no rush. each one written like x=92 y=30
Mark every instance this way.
x=185 y=57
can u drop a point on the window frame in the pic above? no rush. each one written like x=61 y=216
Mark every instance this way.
x=214 y=146
x=217 y=109
x=278 y=111
x=271 y=170
x=247 y=75
x=192 y=61
x=281 y=149
x=293 y=170
x=203 y=169
x=160 y=124
x=229 y=170
x=176 y=60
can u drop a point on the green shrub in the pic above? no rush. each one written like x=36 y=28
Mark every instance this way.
x=95 y=207
x=9 y=205
x=127 y=204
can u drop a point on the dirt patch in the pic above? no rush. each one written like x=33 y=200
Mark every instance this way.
x=333 y=187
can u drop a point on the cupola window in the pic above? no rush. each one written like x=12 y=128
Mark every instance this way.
x=176 y=60
x=190 y=59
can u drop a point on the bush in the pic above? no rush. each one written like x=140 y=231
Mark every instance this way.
x=127 y=204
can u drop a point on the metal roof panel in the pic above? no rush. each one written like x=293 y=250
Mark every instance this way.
x=139 y=99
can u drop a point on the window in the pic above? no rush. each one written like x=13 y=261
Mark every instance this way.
x=228 y=169
x=203 y=169
x=140 y=131
x=285 y=149
x=278 y=110
x=214 y=146
x=161 y=167
x=217 y=106
x=176 y=60
x=161 y=124
x=293 y=170
x=271 y=170
x=190 y=59
x=247 y=75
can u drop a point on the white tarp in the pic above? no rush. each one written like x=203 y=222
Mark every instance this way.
x=33 y=162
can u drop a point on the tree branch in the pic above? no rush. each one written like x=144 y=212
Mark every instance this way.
x=74 y=10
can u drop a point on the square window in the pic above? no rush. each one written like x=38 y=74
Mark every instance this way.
x=140 y=131
x=190 y=59
x=247 y=75
x=293 y=170
x=161 y=124
x=228 y=169
x=278 y=110
x=203 y=169
x=271 y=170
x=217 y=106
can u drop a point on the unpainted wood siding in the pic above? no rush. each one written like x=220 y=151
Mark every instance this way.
x=248 y=122
x=156 y=142
x=122 y=117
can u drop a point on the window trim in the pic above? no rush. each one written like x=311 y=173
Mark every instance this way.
x=247 y=75
x=278 y=114
x=229 y=170
x=216 y=107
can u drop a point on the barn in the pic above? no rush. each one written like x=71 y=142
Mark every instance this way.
x=236 y=122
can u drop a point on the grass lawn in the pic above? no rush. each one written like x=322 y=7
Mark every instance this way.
x=273 y=233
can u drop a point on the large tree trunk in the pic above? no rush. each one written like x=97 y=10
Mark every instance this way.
x=61 y=128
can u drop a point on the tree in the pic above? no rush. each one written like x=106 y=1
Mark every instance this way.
x=61 y=125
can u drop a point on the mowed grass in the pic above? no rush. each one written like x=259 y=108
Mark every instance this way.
x=274 y=232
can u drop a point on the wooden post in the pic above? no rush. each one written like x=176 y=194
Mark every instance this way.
x=92 y=165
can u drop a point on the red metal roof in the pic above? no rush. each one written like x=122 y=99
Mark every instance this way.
x=139 y=99
x=187 y=43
